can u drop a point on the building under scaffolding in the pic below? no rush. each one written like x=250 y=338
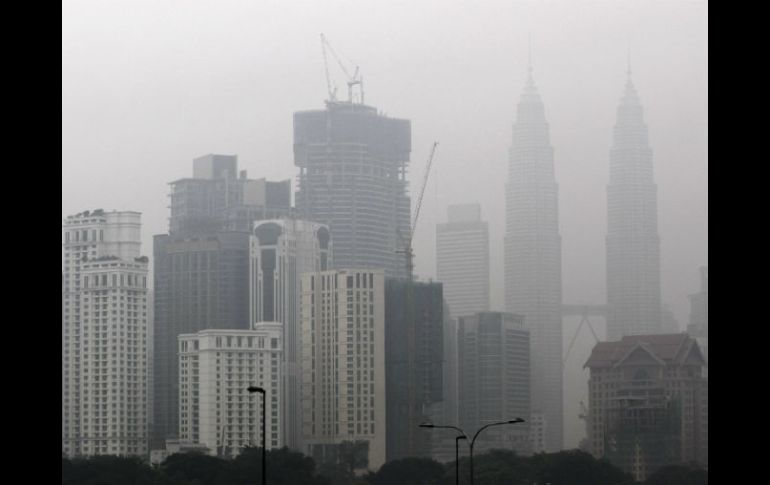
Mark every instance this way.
x=648 y=403
x=352 y=178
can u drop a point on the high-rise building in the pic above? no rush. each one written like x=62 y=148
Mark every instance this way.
x=413 y=359
x=494 y=379
x=445 y=412
x=201 y=282
x=353 y=164
x=343 y=364
x=533 y=258
x=281 y=251
x=216 y=367
x=462 y=259
x=201 y=268
x=633 y=245
x=219 y=198
x=648 y=402
x=104 y=335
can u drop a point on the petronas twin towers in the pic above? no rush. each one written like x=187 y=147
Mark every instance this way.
x=533 y=248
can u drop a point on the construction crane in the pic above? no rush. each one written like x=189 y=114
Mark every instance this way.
x=408 y=252
x=352 y=80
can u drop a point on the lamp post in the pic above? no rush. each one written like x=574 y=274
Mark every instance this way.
x=459 y=437
x=252 y=390
x=512 y=421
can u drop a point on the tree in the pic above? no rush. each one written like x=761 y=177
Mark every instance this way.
x=193 y=469
x=498 y=467
x=284 y=467
x=107 y=470
x=409 y=471
x=576 y=467
x=679 y=475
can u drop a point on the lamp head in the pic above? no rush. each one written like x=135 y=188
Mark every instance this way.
x=254 y=389
x=426 y=425
x=516 y=420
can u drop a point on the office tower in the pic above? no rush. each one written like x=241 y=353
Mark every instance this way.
x=201 y=268
x=216 y=368
x=698 y=326
x=104 y=335
x=201 y=282
x=494 y=379
x=343 y=364
x=462 y=259
x=533 y=259
x=444 y=412
x=352 y=178
x=281 y=251
x=648 y=403
x=413 y=360
x=219 y=198
x=633 y=245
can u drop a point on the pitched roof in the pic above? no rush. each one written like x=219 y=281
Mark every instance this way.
x=669 y=348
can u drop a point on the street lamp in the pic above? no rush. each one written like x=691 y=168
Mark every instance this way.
x=512 y=421
x=252 y=390
x=459 y=437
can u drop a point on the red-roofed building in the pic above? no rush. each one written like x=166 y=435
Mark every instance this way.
x=648 y=402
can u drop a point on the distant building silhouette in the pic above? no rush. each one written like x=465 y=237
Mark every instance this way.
x=633 y=245
x=698 y=326
x=104 y=335
x=533 y=260
x=462 y=259
x=353 y=164
x=494 y=379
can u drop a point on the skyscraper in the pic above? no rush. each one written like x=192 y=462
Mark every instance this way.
x=201 y=267
x=462 y=259
x=201 y=282
x=413 y=363
x=104 y=335
x=633 y=245
x=281 y=251
x=494 y=378
x=343 y=364
x=352 y=178
x=533 y=258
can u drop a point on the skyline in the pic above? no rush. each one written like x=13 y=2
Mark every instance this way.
x=143 y=96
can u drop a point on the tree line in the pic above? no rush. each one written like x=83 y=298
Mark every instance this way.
x=286 y=467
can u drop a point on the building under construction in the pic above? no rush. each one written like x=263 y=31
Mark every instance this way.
x=353 y=163
x=648 y=403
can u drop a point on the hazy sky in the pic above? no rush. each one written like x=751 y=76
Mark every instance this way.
x=149 y=85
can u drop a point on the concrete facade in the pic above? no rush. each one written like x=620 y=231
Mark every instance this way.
x=215 y=369
x=353 y=164
x=104 y=335
x=343 y=363
x=648 y=402
x=281 y=251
